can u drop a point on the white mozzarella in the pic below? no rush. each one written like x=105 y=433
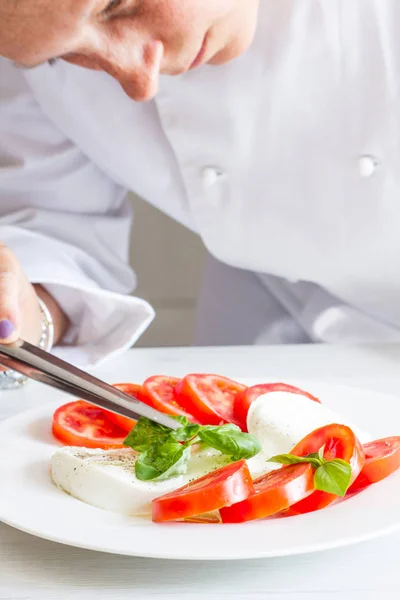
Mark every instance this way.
x=279 y=420
x=106 y=479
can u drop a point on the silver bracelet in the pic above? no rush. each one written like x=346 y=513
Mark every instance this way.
x=47 y=338
x=9 y=379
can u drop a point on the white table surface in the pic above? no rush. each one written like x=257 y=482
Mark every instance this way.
x=31 y=568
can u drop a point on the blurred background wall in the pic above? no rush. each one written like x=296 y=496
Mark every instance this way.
x=168 y=260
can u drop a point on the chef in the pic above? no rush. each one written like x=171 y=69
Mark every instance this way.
x=269 y=128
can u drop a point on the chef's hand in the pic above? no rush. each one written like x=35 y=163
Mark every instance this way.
x=20 y=314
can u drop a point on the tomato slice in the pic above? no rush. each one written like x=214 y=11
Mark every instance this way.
x=382 y=458
x=244 y=400
x=340 y=442
x=209 y=398
x=225 y=486
x=82 y=424
x=273 y=493
x=158 y=391
x=132 y=389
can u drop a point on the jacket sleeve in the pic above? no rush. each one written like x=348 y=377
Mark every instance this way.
x=69 y=226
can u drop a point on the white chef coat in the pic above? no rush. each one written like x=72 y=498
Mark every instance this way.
x=286 y=162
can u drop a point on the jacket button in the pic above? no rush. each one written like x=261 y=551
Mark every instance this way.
x=211 y=175
x=367 y=165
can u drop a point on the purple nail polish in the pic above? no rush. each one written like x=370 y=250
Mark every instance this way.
x=6 y=329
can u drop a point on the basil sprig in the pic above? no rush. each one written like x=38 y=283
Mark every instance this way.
x=230 y=440
x=331 y=476
x=165 y=453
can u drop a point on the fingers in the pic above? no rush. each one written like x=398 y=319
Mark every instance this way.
x=9 y=296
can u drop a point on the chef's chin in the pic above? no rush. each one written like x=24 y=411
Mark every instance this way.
x=235 y=47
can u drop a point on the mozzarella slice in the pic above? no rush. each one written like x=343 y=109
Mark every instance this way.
x=106 y=479
x=279 y=420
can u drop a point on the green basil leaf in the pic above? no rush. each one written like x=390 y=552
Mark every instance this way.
x=224 y=429
x=186 y=434
x=230 y=440
x=333 y=476
x=291 y=459
x=143 y=470
x=146 y=434
x=160 y=459
x=321 y=452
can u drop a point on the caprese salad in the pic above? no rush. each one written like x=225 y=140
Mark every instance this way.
x=241 y=453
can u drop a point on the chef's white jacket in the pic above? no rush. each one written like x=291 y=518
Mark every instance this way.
x=285 y=161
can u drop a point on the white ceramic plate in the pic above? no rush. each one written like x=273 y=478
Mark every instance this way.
x=30 y=502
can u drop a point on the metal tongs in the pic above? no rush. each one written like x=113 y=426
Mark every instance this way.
x=50 y=370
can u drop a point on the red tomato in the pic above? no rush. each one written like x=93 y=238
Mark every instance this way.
x=125 y=422
x=273 y=493
x=158 y=392
x=209 y=398
x=382 y=458
x=340 y=442
x=222 y=487
x=244 y=400
x=82 y=424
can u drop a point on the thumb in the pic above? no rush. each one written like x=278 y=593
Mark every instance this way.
x=9 y=294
